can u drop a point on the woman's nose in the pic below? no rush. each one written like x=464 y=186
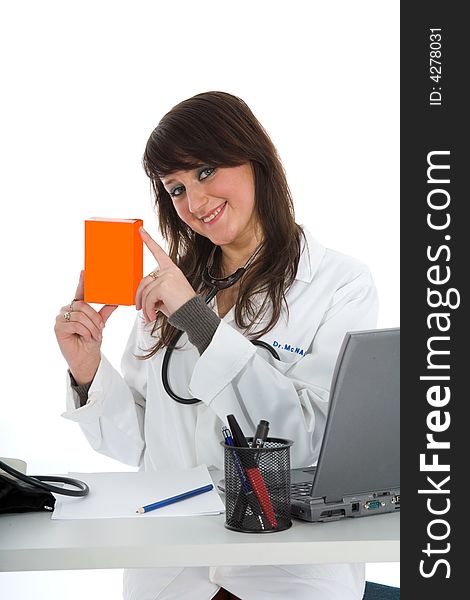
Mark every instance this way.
x=197 y=200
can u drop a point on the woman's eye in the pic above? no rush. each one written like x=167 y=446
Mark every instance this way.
x=205 y=172
x=177 y=191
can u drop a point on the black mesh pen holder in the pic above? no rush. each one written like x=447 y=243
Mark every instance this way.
x=257 y=487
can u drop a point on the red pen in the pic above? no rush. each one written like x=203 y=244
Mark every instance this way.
x=252 y=472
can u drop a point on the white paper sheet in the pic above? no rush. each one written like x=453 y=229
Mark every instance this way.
x=118 y=495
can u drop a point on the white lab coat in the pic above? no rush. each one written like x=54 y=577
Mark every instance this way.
x=132 y=419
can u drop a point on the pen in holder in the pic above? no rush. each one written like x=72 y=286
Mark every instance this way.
x=257 y=486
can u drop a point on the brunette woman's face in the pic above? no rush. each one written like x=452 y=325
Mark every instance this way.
x=216 y=202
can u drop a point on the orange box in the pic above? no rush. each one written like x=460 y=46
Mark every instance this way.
x=113 y=260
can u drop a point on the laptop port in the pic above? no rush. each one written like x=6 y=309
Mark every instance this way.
x=355 y=507
x=334 y=513
x=373 y=504
x=395 y=499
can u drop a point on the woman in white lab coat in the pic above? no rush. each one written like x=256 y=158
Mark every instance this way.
x=222 y=201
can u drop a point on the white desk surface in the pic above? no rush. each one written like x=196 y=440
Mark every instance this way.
x=34 y=542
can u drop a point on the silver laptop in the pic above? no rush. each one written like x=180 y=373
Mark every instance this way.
x=358 y=469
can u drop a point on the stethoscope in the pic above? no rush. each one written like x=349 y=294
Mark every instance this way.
x=216 y=284
x=38 y=481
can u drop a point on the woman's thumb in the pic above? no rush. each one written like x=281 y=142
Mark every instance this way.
x=79 y=292
x=107 y=311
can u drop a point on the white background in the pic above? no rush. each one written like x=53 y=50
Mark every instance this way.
x=83 y=85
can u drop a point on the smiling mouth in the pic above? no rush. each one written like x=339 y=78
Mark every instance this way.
x=210 y=217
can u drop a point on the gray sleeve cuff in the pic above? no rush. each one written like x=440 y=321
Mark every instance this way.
x=198 y=320
x=82 y=390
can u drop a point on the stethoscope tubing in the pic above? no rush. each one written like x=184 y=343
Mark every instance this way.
x=169 y=351
x=38 y=481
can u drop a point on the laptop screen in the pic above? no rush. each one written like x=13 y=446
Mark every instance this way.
x=361 y=445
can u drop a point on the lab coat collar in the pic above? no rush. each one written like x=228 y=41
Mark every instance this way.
x=310 y=258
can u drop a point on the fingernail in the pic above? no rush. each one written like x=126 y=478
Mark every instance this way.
x=101 y=325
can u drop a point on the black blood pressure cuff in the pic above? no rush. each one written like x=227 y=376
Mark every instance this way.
x=19 y=497
x=198 y=320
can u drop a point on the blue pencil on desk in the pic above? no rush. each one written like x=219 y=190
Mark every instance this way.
x=173 y=499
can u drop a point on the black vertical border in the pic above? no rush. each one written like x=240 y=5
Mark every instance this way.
x=426 y=128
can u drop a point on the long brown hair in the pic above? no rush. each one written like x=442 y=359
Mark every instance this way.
x=219 y=130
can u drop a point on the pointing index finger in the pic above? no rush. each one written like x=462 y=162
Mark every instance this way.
x=158 y=253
